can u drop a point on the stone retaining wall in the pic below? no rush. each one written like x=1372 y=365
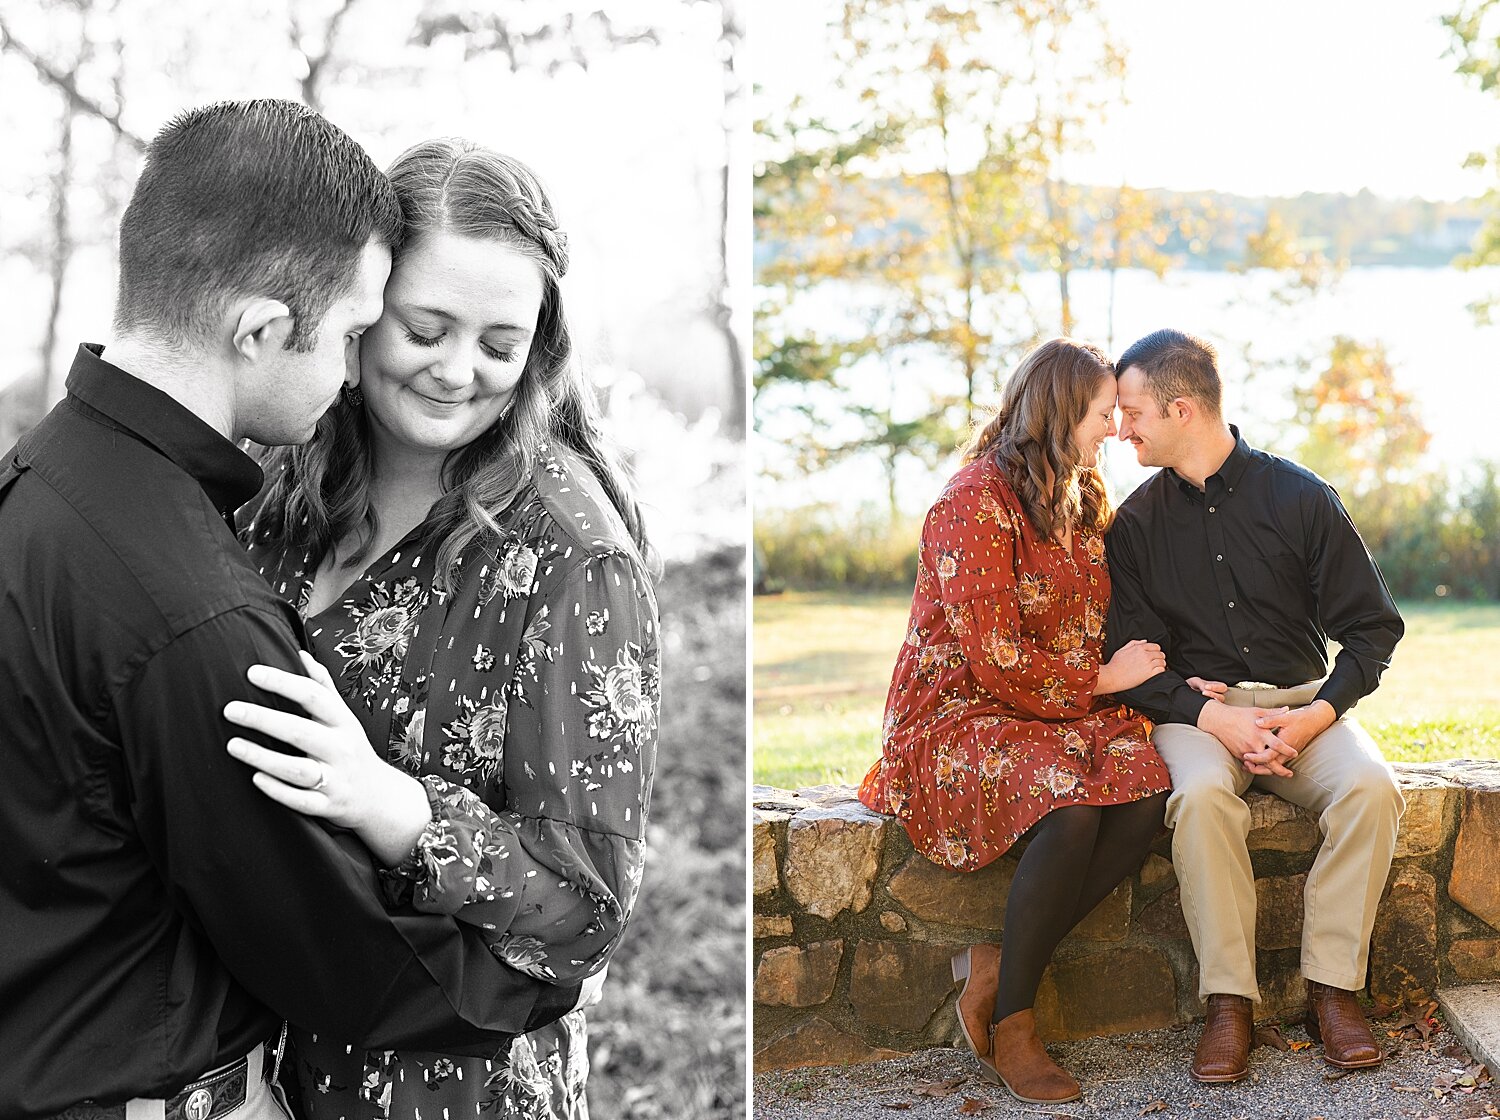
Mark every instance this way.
x=854 y=930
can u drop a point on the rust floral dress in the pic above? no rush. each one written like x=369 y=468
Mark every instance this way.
x=991 y=721
x=526 y=700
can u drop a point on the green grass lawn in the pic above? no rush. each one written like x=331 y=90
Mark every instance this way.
x=823 y=661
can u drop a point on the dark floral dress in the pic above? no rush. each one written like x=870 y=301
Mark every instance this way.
x=526 y=699
x=991 y=721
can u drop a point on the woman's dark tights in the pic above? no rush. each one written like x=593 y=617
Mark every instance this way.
x=1076 y=856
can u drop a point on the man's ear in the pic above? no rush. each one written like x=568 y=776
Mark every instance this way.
x=1183 y=410
x=263 y=325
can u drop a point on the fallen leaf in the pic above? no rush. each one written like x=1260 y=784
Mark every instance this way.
x=940 y=1088
x=1336 y=1075
x=1299 y=1046
x=899 y=1106
x=1154 y=1106
x=1382 y=1011
x=1271 y=1036
x=972 y=1106
x=1406 y=1089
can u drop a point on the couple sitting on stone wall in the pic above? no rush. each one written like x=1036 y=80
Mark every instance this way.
x=1063 y=682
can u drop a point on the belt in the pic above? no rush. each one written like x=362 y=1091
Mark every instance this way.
x=215 y=1094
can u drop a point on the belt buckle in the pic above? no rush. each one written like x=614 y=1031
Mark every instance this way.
x=215 y=1093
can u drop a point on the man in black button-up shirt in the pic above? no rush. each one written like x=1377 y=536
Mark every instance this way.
x=159 y=916
x=1242 y=566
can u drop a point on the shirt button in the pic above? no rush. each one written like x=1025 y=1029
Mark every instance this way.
x=1231 y=603
x=1218 y=557
x=1244 y=649
x=1210 y=509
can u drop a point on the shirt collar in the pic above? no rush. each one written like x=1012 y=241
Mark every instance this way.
x=228 y=476
x=1229 y=471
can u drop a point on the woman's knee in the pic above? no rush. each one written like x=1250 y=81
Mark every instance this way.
x=1073 y=824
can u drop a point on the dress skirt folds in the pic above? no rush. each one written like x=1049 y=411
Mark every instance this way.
x=991 y=722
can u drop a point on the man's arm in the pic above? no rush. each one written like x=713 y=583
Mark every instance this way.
x=293 y=911
x=1166 y=697
x=1354 y=605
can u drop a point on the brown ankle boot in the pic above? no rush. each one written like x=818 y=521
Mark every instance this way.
x=1224 y=1048
x=1018 y=1061
x=1335 y=1019
x=979 y=967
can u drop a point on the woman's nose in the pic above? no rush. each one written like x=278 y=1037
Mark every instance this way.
x=453 y=368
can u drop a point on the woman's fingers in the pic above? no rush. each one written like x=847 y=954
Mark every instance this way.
x=316 y=670
x=295 y=770
x=314 y=697
x=306 y=735
x=304 y=801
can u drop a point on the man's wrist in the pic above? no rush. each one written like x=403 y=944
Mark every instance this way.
x=1326 y=712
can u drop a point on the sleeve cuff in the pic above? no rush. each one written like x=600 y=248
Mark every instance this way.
x=1337 y=698
x=398 y=883
x=1186 y=705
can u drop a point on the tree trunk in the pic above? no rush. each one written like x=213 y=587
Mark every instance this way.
x=61 y=255
x=736 y=422
x=731 y=40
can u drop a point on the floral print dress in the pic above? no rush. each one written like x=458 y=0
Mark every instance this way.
x=991 y=721
x=526 y=700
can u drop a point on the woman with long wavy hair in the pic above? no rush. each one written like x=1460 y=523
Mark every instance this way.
x=999 y=725
x=477 y=590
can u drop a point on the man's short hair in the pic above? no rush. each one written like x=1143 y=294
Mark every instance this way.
x=260 y=198
x=1175 y=365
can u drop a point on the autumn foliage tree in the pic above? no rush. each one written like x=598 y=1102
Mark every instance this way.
x=1360 y=429
x=1475 y=27
x=921 y=190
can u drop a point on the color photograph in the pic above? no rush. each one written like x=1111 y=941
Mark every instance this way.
x=1126 y=559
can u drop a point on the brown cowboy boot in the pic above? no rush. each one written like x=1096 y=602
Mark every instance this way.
x=1224 y=1049
x=1335 y=1019
x=979 y=968
x=1018 y=1061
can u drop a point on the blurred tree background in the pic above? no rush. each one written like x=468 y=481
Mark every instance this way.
x=632 y=112
x=921 y=224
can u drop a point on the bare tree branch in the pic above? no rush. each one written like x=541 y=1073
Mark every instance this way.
x=548 y=46
x=317 y=64
x=68 y=84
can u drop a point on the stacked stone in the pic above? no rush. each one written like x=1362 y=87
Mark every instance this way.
x=854 y=930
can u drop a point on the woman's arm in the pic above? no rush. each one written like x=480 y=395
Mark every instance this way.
x=550 y=869
x=554 y=862
x=969 y=542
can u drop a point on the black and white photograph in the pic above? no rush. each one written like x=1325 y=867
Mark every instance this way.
x=373 y=542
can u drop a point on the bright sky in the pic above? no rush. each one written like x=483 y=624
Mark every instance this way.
x=1265 y=97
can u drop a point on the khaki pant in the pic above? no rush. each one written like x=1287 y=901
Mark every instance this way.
x=1343 y=779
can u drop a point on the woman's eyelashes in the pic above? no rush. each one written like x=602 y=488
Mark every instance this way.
x=432 y=340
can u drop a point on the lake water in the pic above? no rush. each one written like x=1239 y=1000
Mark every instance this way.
x=1450 y=364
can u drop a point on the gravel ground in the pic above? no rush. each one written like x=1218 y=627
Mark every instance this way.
x=1146 y=1075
